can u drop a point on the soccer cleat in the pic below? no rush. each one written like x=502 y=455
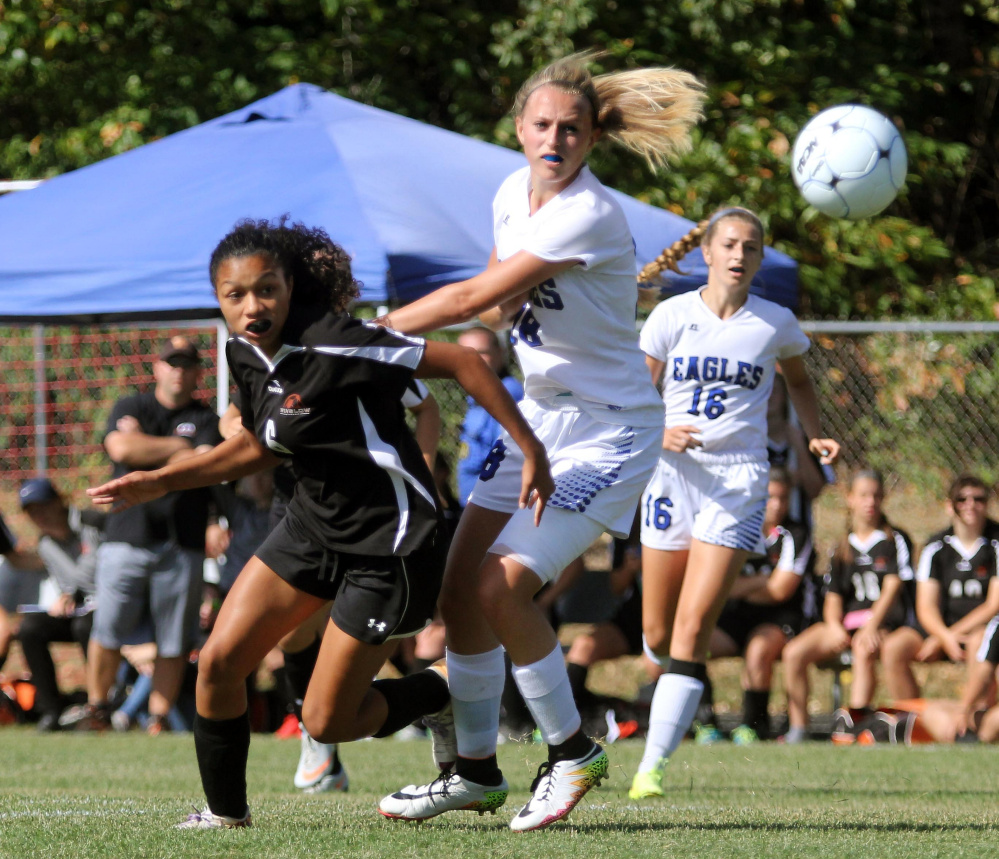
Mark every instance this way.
x=878 y=728
x=206 y=820
x=743 y=735
x=843 y=729
x=86 y=717
x=648 y=785
x=559 y=786
x=319 y=768
x=448 y=792
x=707 y=735
x=443 y=739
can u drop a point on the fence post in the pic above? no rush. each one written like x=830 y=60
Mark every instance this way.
x=41 y=435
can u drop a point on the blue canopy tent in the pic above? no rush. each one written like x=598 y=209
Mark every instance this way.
x=129 y=238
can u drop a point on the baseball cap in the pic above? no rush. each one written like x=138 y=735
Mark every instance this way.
x=38 y=490
x=180 y=352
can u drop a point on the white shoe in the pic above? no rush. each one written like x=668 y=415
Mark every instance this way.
x=206 y=820
x=448 y=792
x=557 y=789
x=318 y=768
x=443 y=739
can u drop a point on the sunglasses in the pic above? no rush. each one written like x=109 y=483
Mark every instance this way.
x=976 y=499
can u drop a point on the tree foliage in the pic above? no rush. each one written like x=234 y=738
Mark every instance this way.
x=83 y=80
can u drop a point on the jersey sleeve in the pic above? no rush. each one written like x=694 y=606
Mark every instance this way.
x=241 y=397
x=926 y=569
x=903 y=556
x=794 y=341
x=798 y=548
x=659 y=333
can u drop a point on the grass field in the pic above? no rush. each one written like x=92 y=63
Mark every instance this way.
x=85 y=796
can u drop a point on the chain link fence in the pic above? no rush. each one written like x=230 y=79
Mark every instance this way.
x=915 y=401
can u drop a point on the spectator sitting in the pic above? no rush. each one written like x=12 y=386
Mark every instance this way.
x=864 y=602
x=957 y=589
x=68 y=548
x=21 y=575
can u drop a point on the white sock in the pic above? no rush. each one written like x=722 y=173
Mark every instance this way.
x=545 y=687
x=674 y=706
x=476 y=685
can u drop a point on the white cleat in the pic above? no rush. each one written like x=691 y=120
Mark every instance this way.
x=319 y=770
x=206 y=820
x=443 y=739
x=448 y=792
x=558 y=788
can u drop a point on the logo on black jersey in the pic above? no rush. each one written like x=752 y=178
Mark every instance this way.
x=186 y=429
x=274 y=388
x=293 y=406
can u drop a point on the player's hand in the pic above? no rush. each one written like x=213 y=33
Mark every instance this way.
x=953 y=647
x=929 y=650
x=867 y=640
x=839 y=638
x=681 y=438
x=537 y=484
x=826 y=449
x=138 y=487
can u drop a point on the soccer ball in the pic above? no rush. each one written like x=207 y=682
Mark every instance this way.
x=849 y=162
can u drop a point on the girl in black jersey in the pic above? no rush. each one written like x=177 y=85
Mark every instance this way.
x=362 y=527
x=957 y=589
x=863 y=603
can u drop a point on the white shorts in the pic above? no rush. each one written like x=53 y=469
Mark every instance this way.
x=722 y=503
x=600 y=470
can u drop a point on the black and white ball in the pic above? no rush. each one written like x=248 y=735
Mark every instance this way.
x=849 y=162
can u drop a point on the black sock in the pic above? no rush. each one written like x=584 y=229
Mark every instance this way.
x=705 y=714
x=411 y=697
x=222 y=746
x=483 y=771
x=754 y=711
x=298 y=668
x=577 y=682
x=577 y=746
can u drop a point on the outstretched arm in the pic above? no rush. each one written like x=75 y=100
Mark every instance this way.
x=236 y=457
x=459 y=302
x=466 y=367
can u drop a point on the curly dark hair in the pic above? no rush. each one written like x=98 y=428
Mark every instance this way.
x=319 y=267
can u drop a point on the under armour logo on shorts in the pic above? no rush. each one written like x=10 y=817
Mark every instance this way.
x=374 y=624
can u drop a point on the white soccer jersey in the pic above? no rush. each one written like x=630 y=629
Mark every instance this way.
x=576 y=334
x=719 y=372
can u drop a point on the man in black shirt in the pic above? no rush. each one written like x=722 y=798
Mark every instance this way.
x=150 y=565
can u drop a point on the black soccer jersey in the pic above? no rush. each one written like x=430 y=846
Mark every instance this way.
x=964 y=573
x=180 y=516
x=860 y=578
x=788 y=546
x=332 y=402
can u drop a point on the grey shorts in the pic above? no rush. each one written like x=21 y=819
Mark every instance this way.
x=18 y=587
x=161 y=585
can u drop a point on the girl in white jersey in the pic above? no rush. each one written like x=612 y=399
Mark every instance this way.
x=563 y=274
x=715 y=352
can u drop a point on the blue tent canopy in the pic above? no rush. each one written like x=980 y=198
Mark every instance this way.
x=129 y=238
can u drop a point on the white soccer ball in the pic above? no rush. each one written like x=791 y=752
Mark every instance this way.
x=849 y=162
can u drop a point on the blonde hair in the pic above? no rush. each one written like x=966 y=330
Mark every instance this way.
x=700 y=234
x=649 y=111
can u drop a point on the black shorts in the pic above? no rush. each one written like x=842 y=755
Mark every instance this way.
x=376 y=597
x=738 y=620
x=628 y=619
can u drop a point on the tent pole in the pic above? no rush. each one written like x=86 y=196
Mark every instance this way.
x=41 y=437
